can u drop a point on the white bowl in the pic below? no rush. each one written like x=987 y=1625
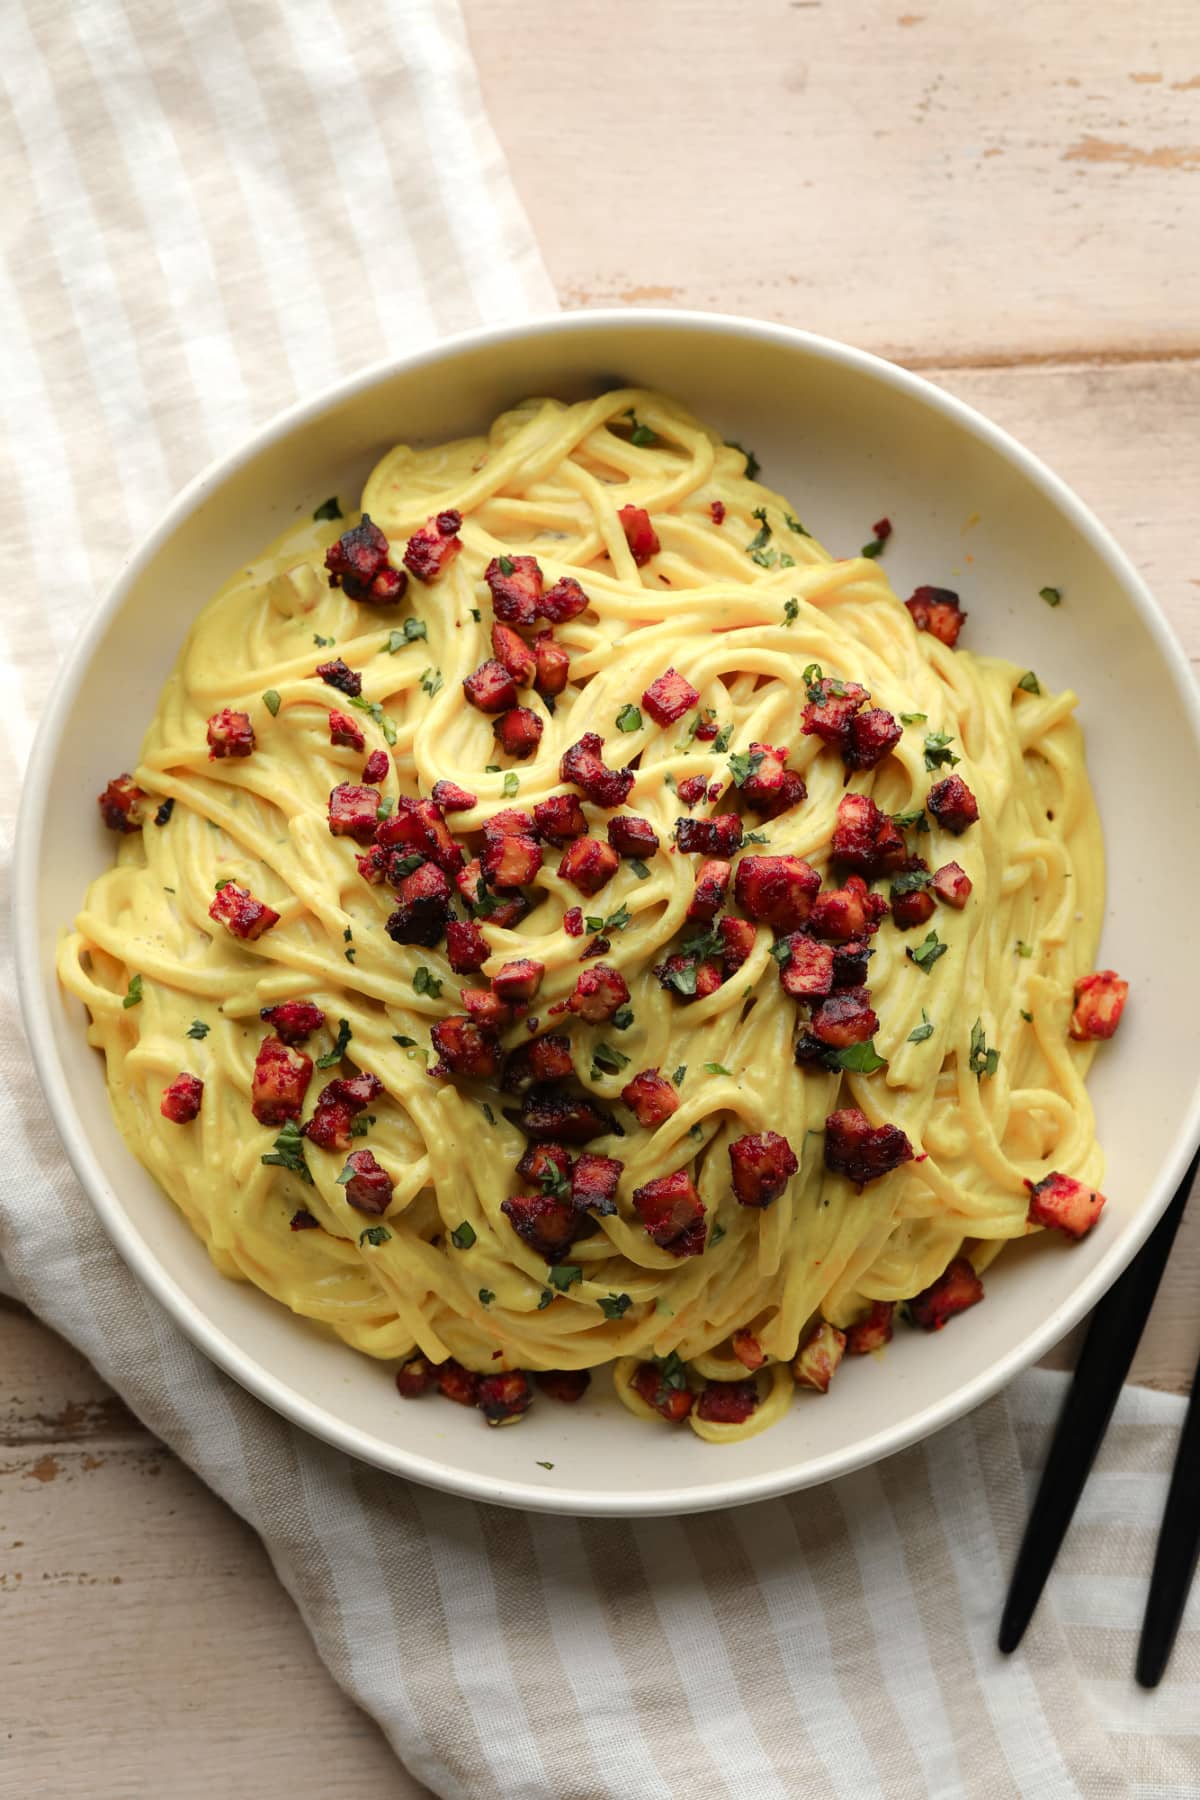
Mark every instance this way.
x=848 y=438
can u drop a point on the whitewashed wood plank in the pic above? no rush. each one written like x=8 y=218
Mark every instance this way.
x=922 y=178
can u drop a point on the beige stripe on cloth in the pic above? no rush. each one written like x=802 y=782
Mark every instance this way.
x=214 y=208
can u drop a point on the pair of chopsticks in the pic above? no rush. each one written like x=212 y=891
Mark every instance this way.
x=1112 y=1338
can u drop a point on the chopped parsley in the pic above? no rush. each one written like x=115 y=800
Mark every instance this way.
x=791 y=612
x=487 y=1112
x=911 y=821
x=272 y=702
x=926 y=954
x=323 y=643
x=615 y=921
x=374 y=1234
x=696 y=1131
x=623 y=1018
x=545 y=1298
x=641 y=435
x=511 y=785
x=1051 y=595
x=793 y=524
x=426 y=982
x=350 y=954
x=911 y=882
x=405 y=1043
x=752 y=463
x=756 y=837
x=937 y=751
x=981 y=1061
x=333 y=1057
x=860 y=1059
x=1024 y=949
x=717 y=1069
x=683 y=980
x=639 y=869
x=678 y=1074
x=920 y=1032
x=431 y=681
x=723 y=739
x=407 y=865
x=225 y=881
x=615 y=1306
x=1027 y=1016
x=762 y=536
x=328 y=509
x=385 y=808
x=373 y=709
x=715 y=1236
x=743 y=766
x=486 y=1296
x=463 y=1236
x=133 y=993
x=288 y=1152
x=408 y=633
x=552 y=1180
x=629 y=718
x=1029 y=682
x=564 y=1275
x=506 y=565
x=604 y=1057
x=543 y=1465
x=812 y=678
x=672 y=1371
x=913 y=718
x=197 y=1029
x=476 y=614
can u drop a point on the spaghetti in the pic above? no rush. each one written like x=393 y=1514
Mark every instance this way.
x=713 y=1004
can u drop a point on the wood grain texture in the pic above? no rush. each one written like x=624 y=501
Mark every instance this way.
x=1004 y=197
x=151 y=1649
x=933 y=179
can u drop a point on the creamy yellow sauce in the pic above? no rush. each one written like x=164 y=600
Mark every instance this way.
x=549 y=480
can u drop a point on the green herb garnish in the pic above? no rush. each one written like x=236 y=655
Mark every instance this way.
x=486 y=1296
x=718 y=1069
x=913 y=718
x=615 y=1306
x=288 y=1152
x=333 y=1057
x=563 y=1275
x=426 y=982
x=1029 y=682
x=604 y=1057
x=408 y=633
x=629 y=718
x=981 y=1060
x=133 y=993
x=374 y=1234
x=506 y=565
x=463 y=1236
x=742 y=765
x=431 y=681
x=860 y=1059
x=937 y=751
x=752 y=463
x=623 y=1018
x=1051 y=595
x=511 y=785
x=272 y=702
x=328 y=509
x=926 y=954
x=922 y=1031
x=197 y=1029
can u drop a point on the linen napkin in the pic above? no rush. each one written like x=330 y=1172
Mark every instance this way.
x=219 y=207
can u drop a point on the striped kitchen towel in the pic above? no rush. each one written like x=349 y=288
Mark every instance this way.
x=212 y=208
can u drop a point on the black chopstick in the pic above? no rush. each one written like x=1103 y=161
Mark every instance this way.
x=1112 y=1338
x=1177 y=1552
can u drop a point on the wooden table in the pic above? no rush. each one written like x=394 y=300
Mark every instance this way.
x=1004 y=197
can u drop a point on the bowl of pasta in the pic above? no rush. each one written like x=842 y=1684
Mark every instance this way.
x=618 y=869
